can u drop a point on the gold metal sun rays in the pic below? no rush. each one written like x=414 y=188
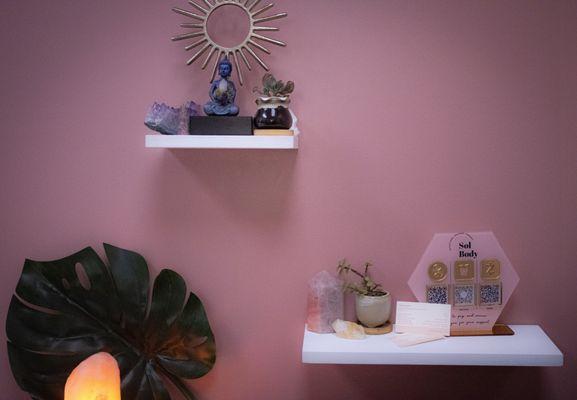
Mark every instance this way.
x=209 y=47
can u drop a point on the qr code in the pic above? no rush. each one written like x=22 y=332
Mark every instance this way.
x=489 y=294
x=438 y=294
x=464 y=295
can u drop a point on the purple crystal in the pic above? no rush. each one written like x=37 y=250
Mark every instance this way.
x=192 y=108
x=189 y=109
x=163 y=119
x=171 y=120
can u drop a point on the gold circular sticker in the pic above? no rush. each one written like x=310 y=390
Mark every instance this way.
x=437 y=271
x=490 y=269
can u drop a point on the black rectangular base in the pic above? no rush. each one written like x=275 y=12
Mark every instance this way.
x=220 y=126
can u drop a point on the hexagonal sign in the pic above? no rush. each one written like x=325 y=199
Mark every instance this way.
x=471 y=272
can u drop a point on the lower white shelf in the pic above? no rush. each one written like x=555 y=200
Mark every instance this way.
x=530 y=346
x=221 y=142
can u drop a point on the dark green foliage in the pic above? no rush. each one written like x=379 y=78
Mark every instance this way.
x=66 y=310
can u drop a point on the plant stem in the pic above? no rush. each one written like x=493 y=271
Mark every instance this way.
x=356 y=272
x=176 y=381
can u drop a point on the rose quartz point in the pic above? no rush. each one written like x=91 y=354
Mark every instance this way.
x=325 y=302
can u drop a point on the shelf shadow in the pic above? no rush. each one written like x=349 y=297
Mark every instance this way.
x=424 y=382
x=252 y=185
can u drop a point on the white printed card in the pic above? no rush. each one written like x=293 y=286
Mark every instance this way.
x=423 y=318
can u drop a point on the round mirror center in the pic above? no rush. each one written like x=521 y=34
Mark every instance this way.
x=228 y=25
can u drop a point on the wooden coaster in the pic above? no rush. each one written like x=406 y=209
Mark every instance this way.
x=379 y=330
x=498 y=330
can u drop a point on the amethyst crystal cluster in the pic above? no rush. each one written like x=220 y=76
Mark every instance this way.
x=171 y=120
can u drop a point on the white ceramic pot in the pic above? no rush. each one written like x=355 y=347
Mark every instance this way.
x=373 y=311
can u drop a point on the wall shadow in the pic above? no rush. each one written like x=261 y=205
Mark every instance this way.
x=424 y=382
x=254 y=186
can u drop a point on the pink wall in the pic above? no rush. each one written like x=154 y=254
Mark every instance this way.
x=418 y=117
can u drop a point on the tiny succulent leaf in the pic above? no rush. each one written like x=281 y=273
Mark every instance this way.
x=289 y=87
x=268 y=80
x=56 y=320
x=277 y=89
x=272 y=87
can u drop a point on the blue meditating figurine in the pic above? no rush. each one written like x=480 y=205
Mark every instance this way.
x=222 y=93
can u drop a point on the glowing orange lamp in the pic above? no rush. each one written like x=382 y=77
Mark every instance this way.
x=96 y=378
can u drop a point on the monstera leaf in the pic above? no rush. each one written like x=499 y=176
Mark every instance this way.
x=66 y=310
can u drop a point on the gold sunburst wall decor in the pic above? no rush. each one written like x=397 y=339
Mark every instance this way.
x=205 y=45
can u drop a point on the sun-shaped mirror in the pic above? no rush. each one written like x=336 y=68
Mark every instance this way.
x=207 y=42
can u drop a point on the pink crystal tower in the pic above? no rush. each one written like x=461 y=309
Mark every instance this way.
x=325 y=302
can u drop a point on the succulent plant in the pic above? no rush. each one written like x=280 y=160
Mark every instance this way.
x=273 y=88
x=366 y=286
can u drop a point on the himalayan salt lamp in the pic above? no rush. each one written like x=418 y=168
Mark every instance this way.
x=325 y=302
x=96 y=378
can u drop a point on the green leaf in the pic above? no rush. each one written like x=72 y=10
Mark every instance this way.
x=168 y=296
x=130 y=274
x=277 y=88
x=289 y=87
x=268 y=81
x=191 y=352
x=156 y=384
x=66 y=310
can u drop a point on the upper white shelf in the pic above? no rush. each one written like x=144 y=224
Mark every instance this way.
x=530 y=346
x=221 y=142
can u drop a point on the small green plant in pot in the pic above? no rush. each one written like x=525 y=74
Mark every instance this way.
x=372 y=303
x=273 y=101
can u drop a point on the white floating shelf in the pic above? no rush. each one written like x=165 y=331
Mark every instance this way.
x=530 y=346
x=221 y=142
